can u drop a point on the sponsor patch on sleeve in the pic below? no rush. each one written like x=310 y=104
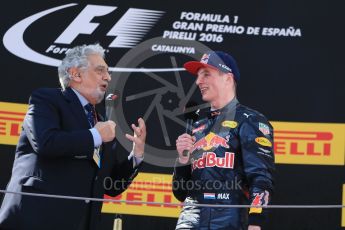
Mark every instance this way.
x=264 y=128
x=230 y=124
x=259 y=200
x=263 y=141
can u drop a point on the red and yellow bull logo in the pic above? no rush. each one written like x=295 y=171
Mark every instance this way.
x=210 y=141
x=210 y=159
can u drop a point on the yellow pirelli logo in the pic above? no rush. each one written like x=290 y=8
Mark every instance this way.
x=147 y=187
x=309 y=143
x=294 y=142
x=11 y=119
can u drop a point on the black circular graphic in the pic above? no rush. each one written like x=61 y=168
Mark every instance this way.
x=159 y=97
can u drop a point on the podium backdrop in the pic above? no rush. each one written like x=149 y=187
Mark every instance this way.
x=291 y=59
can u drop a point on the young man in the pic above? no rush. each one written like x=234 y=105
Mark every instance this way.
x=230 y=156
x=67 y=148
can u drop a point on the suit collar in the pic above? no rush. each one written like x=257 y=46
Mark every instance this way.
x=76 y=106
x=76 y=103
x=70 y=96
x=81 y=98
x=230 y=107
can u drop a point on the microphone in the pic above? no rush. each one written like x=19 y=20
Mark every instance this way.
x=111 y=101
x=190 y=117
x=111 y=97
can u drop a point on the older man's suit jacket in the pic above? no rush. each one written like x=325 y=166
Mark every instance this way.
x=54 y=155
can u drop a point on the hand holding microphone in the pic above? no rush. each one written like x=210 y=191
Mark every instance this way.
x=189 y=126
x=184 y=143
x=106 y=129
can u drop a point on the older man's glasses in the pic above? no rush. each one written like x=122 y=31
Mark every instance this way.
x=103 y=71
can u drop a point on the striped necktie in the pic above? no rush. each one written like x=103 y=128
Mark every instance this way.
x=91 y=114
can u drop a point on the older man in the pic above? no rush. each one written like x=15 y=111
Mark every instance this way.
x=67 y=148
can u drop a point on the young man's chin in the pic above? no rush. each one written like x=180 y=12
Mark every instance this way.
x=205 y=98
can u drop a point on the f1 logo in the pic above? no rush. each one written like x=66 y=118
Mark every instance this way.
x=129 y=30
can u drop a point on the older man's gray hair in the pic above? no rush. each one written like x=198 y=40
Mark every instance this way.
x=77 y=57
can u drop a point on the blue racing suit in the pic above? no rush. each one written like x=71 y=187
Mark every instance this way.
x=232 y=163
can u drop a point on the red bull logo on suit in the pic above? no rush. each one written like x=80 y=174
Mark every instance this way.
x=210 y=159
x=210 y=141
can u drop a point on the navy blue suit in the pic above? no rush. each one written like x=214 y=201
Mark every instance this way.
x=232 y=163
x=54 y=156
